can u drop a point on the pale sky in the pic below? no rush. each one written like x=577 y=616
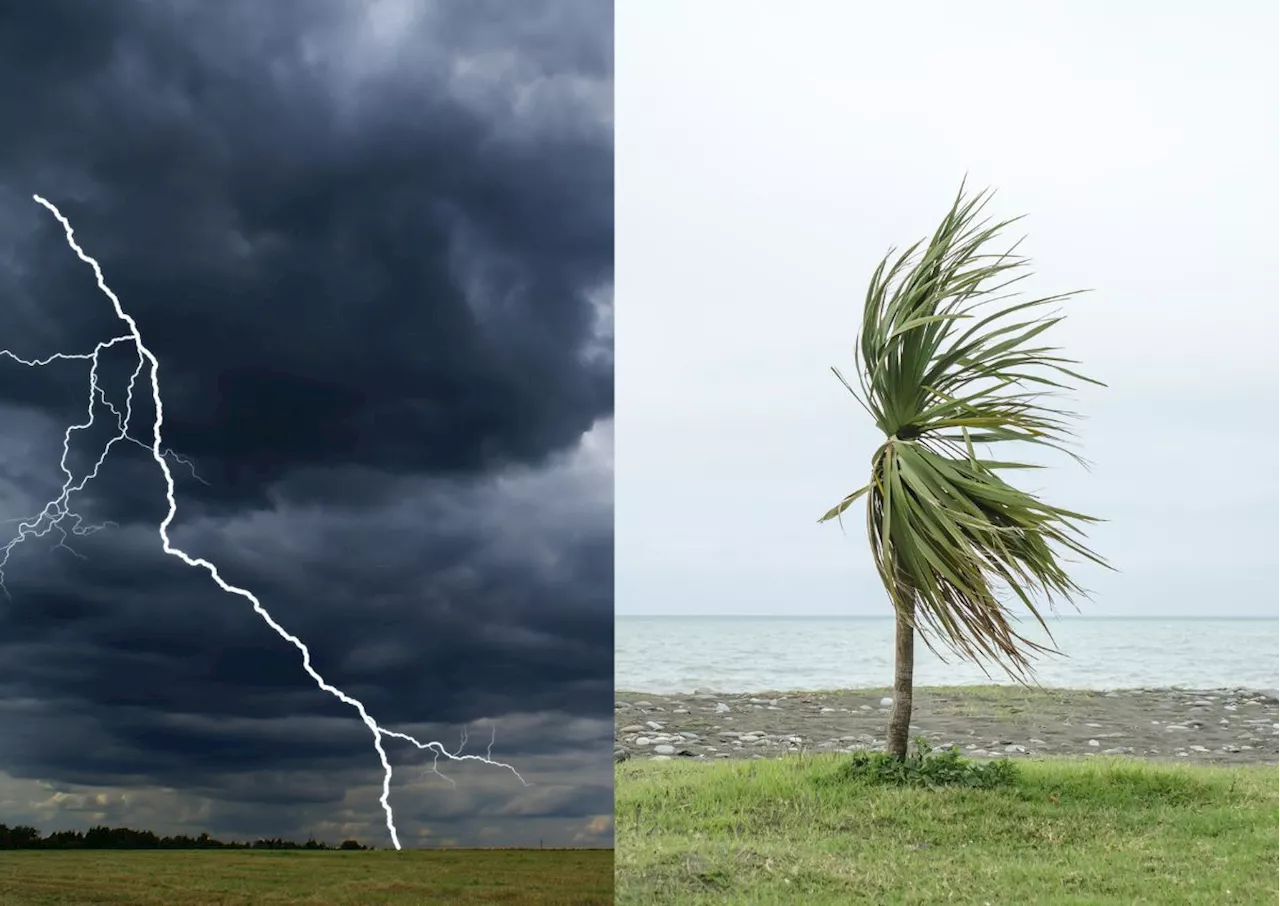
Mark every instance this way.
x=767 y=156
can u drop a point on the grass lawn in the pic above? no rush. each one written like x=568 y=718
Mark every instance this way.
x=1086 y=831
x=200 y=878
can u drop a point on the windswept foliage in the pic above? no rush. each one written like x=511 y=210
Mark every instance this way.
x=950 y=359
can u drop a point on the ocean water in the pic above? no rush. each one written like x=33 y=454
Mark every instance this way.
x=744 y=654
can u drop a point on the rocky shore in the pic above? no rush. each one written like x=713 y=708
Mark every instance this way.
x=1223 y=726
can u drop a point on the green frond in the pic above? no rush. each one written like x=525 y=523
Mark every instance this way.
x=946 y=360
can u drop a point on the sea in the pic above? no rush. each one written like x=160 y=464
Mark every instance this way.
x=678 y=654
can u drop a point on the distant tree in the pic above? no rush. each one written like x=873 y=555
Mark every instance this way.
x=947 y=532
x=23 y=836
x=275 y=843
x=103 y=837
x=351 y=844
x=71 y=839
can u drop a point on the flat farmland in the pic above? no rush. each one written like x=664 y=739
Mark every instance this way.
x=511 y=877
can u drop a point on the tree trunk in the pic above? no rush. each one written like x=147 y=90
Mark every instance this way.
x=904 y=662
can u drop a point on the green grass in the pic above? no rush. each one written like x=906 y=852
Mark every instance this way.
x=1088 y=831
x=201 y=878
x=1003 y=702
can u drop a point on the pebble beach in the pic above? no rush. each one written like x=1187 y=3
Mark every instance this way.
x=1223 y=726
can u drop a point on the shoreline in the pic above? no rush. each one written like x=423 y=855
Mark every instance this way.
x=1218 y=726
x=960 y=687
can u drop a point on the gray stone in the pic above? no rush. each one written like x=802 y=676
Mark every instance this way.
x=664 y=750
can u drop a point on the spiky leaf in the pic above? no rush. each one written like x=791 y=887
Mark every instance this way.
x=947 y=358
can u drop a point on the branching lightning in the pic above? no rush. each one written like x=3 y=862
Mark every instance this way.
x=57 y=516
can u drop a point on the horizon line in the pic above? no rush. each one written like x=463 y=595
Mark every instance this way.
x=872 y=616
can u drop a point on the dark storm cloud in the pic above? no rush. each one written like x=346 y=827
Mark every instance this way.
x=493 y=615
x=371 y=246
x=333 y=268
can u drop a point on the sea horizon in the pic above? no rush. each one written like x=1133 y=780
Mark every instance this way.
x=873 y=616
x=755 y=652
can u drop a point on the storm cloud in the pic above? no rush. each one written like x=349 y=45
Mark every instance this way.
x=371 y=246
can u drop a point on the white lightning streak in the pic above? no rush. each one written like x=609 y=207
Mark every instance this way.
x=58 y=509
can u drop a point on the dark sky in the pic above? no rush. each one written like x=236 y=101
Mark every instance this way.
x=371 y=245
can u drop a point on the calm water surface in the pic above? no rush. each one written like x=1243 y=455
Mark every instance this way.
x=740 y=654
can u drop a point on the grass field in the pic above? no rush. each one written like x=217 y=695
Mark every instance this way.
x=206 y=877
x=1088 y=831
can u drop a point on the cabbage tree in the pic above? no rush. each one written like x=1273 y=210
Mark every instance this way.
x=951 y=365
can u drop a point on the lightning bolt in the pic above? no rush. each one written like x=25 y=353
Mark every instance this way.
x=58 y=516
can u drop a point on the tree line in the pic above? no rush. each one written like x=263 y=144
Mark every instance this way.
x=24 y=836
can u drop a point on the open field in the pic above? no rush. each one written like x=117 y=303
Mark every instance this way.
x=240 y=878
x=1070 y=831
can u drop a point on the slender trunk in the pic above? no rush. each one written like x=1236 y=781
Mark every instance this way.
x=903 y=674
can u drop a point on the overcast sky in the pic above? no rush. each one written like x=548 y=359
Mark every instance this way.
x=769 y=154
x=373 y=253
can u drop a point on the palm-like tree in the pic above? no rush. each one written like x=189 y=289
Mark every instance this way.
x=949 y=359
